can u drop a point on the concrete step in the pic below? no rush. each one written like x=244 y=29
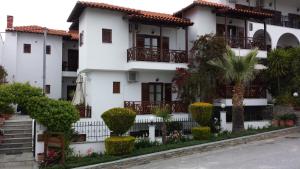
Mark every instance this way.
x=17 y=131
x=19 y=135
x=29 y=164
x=17 y=122
x=16 y=145
x=15 y=150
x=23 y=126
x=17 y=140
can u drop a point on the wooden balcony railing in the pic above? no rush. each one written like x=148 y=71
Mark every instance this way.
x=250 y=92
x=154 y=55
x=146 y=107
x=246 y=43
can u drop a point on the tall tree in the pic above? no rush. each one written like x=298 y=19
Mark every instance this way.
x=239 y=70
x=199 y=80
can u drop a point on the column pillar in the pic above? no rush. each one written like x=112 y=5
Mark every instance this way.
x=152 y=132
x=223 y=120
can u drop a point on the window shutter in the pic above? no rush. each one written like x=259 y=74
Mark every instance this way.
x=116 y=87
x=106 y=36
x=168 y=92
x=145 y=92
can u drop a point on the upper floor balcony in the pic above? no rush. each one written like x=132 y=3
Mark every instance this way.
x=157 y=47
x=156 y=55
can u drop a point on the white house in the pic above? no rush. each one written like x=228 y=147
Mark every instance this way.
x=129 y=56
x=22 y=57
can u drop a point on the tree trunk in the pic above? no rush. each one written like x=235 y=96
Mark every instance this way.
x=164 y=133
x=237 y=108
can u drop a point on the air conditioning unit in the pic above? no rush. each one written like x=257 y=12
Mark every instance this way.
x=132 y=76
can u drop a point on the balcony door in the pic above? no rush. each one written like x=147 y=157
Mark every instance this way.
x=156 y=93
x=149 y=47
x=72 y=60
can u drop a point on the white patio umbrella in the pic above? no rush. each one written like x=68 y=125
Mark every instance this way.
x=79 y=95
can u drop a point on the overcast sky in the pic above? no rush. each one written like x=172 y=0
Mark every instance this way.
x=54 y=13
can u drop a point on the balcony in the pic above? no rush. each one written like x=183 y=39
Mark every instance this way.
x=246 y=43
x=146 y=107
x=250 y=92
x=155 y=55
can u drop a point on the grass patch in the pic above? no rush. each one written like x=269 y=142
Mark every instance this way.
x=73 y=162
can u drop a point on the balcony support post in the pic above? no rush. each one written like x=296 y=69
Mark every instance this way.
x=265 y=35
x=226 y=29
x=133 y=39
x=161 y=43
x=187 y=42
x=246 y=34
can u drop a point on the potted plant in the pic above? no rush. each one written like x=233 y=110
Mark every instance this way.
x=275 y=121
x=290 y=120
x=282 y=120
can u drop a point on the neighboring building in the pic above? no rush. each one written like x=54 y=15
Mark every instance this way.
x=1 y=49
x=23 y=58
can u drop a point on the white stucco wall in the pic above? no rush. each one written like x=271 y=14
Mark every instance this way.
x=275 y=32
x=98 y=55
x=28 y=67
x=100 y=88
x=204 y=22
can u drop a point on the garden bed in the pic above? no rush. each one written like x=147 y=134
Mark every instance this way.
x=73 y=162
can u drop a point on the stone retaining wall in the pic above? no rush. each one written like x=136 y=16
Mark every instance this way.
x=144 y=159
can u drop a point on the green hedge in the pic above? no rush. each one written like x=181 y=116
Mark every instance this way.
x=119 y=145
x=56 y=115
x=119 y=120
x=201 y=133
x=201 y=113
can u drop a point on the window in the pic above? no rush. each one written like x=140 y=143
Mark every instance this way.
x=48 y=49
x=116 y=87
x=81 y=38
x=106 y=36
x=27 y=48
x=47 y=89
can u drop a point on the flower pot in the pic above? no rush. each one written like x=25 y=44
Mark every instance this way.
x=275 y=122
x=289 y=123
x=40 y=157
x=282 y=123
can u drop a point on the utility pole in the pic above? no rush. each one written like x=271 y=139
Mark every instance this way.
x=44 y=60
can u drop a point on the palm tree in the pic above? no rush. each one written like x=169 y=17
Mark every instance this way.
x=240 y=71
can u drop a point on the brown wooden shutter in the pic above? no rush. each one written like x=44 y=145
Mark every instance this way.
x=140 y=41
x=145 y=92
x=168 y=92
x=116 y=87
x=106 y=35
x=166 y=45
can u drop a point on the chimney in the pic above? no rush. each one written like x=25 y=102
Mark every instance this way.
x=10 y=22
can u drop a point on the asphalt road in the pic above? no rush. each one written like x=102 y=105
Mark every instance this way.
x=279 y=153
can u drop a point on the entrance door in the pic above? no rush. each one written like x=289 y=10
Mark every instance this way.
x=72 y=60
x=156 y=92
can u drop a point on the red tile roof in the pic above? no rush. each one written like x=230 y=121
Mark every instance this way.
x=132 y=13
x=74 y=34
x=40 y=30
x=224 y=8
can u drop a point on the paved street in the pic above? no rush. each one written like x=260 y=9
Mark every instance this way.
x=280 y=153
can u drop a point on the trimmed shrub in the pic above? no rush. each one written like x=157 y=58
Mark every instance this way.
x=201 y=113
x=119 y=120
x=6 y=108
x=201 y=133
x=119 y=145
x=56 y=115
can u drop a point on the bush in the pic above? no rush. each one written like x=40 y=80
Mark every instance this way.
x=6 y=108
x=201 y=113
x=19 y=93
x=201 y=133
x=145 y=143
x=174 y=126
x=119 y=145
x=56 y=115
x=119 y=120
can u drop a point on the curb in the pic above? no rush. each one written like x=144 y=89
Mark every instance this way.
x=145 y=159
